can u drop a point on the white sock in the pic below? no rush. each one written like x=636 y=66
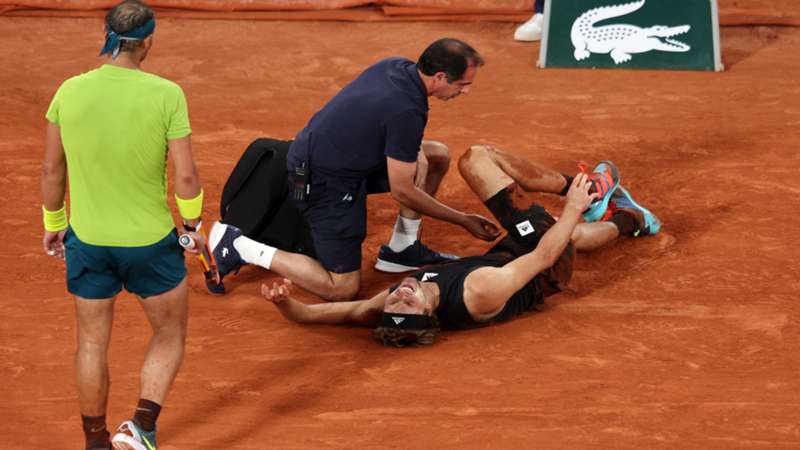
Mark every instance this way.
x=405 y=233
x=253 y=252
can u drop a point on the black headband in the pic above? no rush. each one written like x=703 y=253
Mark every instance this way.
x=406 y=321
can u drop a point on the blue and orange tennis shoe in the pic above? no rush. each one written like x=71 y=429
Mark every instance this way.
x=605 y=181
x=646 y=222
x=131 y=437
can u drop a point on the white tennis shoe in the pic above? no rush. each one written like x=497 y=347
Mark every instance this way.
x=130 y=437
x=531 y=30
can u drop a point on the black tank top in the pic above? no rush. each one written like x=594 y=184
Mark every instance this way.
x=452 y=312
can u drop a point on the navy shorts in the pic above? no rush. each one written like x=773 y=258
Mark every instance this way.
x=336 y=213
x=99 y=272
x=525 y=229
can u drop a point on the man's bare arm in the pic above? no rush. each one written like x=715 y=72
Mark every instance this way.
x=187 y=180
x=54 y=169
x=358 y=312
x=486 y=290
x=401 y=180
x=54 y=185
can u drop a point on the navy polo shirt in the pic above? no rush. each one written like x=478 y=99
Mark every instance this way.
x=381 y=113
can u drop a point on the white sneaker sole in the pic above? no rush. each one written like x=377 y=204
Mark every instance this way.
x=125 y=442
x=386 y=266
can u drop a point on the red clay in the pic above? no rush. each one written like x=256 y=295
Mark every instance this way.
x=686 y=339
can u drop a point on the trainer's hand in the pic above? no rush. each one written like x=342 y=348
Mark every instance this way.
x=481 y=227
x=278 y=293
x=53 y=242
x=578 y=197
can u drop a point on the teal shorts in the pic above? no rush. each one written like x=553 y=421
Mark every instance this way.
x=98 y=272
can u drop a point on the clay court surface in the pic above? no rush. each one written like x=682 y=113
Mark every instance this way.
x=688 y=339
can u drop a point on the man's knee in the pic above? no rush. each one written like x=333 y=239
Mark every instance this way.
x=343 y=288
x=438 y=156
x=473 y=157
x=92 y=345
x=168 y=312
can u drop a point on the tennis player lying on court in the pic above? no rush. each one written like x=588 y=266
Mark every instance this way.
x=533 y=261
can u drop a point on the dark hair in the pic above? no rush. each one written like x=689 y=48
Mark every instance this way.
x=398 y=337
x=127 y=16
x=450 y=56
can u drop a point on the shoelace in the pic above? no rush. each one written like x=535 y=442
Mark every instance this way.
x=601 y=182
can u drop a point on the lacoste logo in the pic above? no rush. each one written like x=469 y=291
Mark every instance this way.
x=398 y=320
x=428 y=276
x=225 y=252
x=525 y=228
x=620 y=39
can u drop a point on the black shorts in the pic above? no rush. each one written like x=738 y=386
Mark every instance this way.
x=525 y=230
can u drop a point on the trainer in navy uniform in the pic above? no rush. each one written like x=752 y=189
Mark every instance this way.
x=367 y=139
x=533 y=261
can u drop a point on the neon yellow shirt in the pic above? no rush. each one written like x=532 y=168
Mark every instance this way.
x=115 y=124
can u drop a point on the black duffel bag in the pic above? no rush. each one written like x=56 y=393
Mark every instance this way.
x=256 y=199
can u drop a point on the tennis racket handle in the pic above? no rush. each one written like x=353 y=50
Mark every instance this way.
x=187 y=242
x=204 y=257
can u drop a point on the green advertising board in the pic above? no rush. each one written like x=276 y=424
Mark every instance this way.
x=640 y=34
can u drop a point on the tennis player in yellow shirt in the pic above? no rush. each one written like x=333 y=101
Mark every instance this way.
x=110 y=131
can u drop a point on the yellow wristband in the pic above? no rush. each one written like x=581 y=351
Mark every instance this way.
x=192 y=208
x=55 y=220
